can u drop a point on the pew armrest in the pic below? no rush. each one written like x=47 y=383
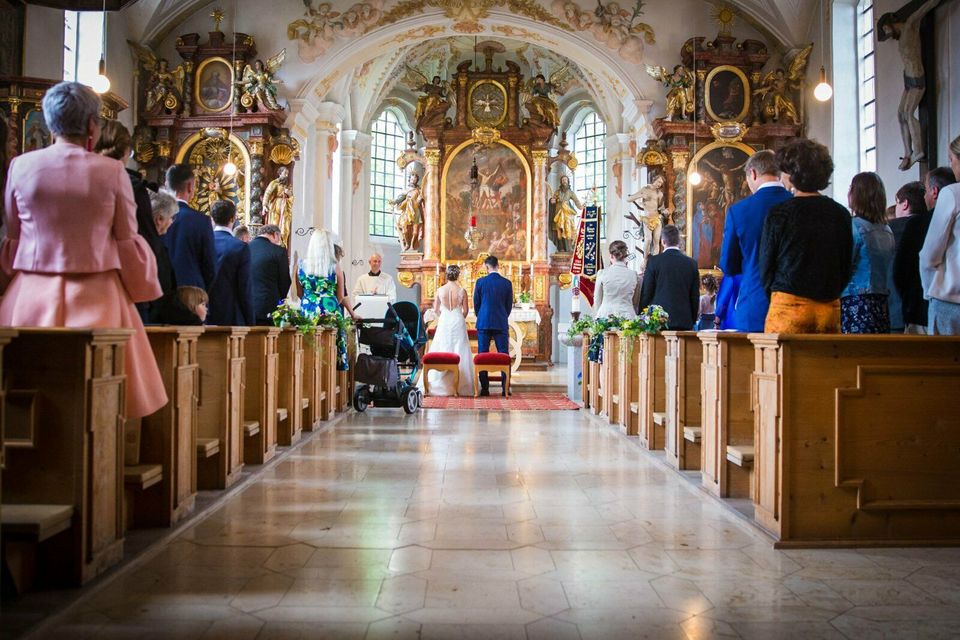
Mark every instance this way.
x=659 y=418
x=208 y=447
x=251 y=427
x=282 y=414
x=305 y=403
x=35 y=521
x=142 y=476
x=634 y=407
x=740 y=454
x=691 y=433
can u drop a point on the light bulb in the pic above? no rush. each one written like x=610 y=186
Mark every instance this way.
x=694 y=178
x=823 y=91
x=101 y=83
x=230 y=168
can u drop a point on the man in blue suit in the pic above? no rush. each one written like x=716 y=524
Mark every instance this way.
x=492 y=302
x=189 y=239
x=741 y=239
x=230 y=303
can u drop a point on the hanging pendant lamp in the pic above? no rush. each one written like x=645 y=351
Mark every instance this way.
x=101 y=83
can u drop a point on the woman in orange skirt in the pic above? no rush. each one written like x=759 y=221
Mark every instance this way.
x=72 y=256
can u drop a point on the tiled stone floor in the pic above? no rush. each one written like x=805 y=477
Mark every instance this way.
x=503 y=525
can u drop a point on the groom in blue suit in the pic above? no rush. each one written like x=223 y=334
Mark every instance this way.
x=741 y=239
x=492 y=301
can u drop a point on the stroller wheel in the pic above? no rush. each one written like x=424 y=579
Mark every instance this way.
x=411 y=400
x=361 y=399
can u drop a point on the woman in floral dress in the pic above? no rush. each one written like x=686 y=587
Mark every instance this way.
x=323 y=290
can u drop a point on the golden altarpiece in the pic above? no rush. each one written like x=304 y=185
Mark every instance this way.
x=484 y=188
x=217 y=110
x=721 y=108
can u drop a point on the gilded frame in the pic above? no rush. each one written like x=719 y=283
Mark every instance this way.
x=198 y=78
x=187 y=146
x=688 y=244
x=473 y=122
x=448 y=160
x=745 y=87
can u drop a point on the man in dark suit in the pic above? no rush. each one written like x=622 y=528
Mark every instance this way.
x=672 y=280
x=492 y=302
x=230 y=293
x=741 y=239
x=189 y=239
x=269 y=273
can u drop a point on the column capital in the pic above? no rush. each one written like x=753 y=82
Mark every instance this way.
x=432 y=156
x=355 y=143
x=329 y=116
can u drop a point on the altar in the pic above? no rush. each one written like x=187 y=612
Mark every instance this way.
x=478 y=187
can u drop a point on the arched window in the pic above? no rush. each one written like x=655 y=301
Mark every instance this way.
x=591 y=153
x=82 y=37
x=386 y=178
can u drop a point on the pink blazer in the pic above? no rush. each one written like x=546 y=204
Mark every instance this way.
x=69 y=211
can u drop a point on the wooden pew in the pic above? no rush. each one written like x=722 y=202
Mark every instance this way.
x=726 y=413
x=328 y=355
x=652 y=393
x=220 y=426
x=611 y=376
x=857 y=439
x=629 y=384
x=290 y=388
x=587 y=379
x=314 y=391
x=260 y=395
x=63 y=475
x=168 y=438
x=684 y=355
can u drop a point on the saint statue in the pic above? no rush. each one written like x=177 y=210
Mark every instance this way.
x=409 y=208
x=904 y=27
x=775 y=103
x=649 y=200
x=259 y=82
x=278 y=204
x=435 y=96
x=564 y=215
x=165 y=87
x=680 y=95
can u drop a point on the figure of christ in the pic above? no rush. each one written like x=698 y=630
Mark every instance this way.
x=489 y=198
x=906 y=31
x=650 y=202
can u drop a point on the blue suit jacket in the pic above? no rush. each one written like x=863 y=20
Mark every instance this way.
x=493 y=301
x=740 y=254
x=230 y=301
x=189 y=242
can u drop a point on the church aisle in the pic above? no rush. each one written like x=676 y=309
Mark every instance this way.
x=502 y=525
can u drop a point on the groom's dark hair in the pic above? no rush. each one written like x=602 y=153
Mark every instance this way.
x=492 y=261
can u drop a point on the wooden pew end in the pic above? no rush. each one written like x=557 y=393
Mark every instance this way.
x=692 y=434
x=282 y=414
x=740 y=454
x=659 y=418
x=208 y=447
x=35 y=522
x=251 y=428
x=142 y=476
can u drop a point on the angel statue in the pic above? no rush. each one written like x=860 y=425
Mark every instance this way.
x=649 y=201
x=537 y=95
x=409 y=208
x=278 y=203
x=165 y=86
x=564 y=215
x=434 y=97
x=259 y=82
x=775 y=103
x=680 y=102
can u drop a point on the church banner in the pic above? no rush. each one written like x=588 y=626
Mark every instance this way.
x=586 y=254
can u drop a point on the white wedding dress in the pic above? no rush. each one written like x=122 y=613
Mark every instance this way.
x=451 y=337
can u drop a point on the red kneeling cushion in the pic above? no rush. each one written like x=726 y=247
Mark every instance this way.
x=472 y=334
x=441 y=357
x=492 y=357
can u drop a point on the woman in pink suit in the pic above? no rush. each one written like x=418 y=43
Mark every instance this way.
x=72 y=256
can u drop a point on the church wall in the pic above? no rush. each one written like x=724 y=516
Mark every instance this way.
x=948 y=77
x=43 y=43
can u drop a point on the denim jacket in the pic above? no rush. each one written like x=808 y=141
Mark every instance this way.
x=873 y=251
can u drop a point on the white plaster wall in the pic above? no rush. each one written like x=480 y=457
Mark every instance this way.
x=43 y=43
x=948 y=77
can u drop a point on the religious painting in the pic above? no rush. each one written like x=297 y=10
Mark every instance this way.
x=214 y=85
x=208 y=154
x=723 y=183
x=35 y=132
x=727 y=94
x=491 y=213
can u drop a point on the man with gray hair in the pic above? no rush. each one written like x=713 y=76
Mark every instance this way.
x=376 y=283
x=743 y=229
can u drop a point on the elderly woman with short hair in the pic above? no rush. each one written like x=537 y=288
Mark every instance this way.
x=72 y=250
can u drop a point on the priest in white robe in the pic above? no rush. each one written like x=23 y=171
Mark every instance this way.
x=376 y=283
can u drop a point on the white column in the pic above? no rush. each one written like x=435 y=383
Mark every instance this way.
x=618 y=170
x=354 y=200
x=326 y=150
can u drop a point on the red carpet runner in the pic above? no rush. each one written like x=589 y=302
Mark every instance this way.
x=495 y=402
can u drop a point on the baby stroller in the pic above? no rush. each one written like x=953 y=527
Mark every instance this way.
x=386 y=376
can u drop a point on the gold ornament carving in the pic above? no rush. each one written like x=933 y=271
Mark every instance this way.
x=163 y=149
x=540 y=157
x=469 y=10
x=432 y=156
x=282 y=154
x=406 y=278
x=729 y=131
x=256 y=147
x=652 y=158
x=565 y=280
x=485 y=135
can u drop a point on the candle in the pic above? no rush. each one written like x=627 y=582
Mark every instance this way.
x=575 y=305
x=473 y=221
x=438 y=271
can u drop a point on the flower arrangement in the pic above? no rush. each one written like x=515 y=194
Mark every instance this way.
x=290 y=315
x=578 y=327
x=652 y=320
x=524 y=297
x=597 y=329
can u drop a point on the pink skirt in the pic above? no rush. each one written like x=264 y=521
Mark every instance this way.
x=88 y=301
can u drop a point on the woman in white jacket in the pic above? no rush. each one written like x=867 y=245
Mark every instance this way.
x=940 y=256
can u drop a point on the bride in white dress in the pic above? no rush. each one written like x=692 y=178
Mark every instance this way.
x=450 y=306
